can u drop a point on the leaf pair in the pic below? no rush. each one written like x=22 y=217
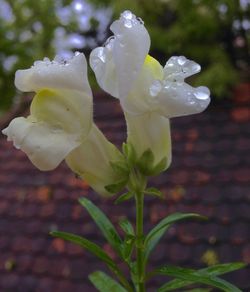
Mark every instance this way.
x=159 y=230
x=207 y=276
x=109 y=233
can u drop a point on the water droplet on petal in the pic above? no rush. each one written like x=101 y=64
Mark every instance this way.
x=127 y=15
x=128 y=23
x=167 y=84
x=155 y=88
x=181 y=60
x=202 y=93
x=196 y=68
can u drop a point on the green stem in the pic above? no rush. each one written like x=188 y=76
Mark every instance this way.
x=139 y=198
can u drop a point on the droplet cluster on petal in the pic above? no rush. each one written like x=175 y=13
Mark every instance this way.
x=179 y=68
x=129 y=19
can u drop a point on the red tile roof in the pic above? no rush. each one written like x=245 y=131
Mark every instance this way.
x=210 y=175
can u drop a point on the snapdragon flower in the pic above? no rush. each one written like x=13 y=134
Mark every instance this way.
x=60 y=125
x=149 y=93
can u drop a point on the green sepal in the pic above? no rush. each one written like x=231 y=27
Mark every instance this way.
x=158 y=231
x=146 y=162
x=120 y=167
x=105 y=283
x=196 y=276
x=124 y=197
x=215 y=270
x=117 y=187
x=104 y=224
x=88 y=245
x=154 y=192
x=159 y=167
x=130 y=153
x=127 y=227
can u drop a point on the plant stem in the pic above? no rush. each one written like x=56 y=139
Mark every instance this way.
x=139 y=198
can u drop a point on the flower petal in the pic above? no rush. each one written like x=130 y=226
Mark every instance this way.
x=91 y=160
x=123 y=55
x=141 y=100
x=68 y=110
x=179 y=68
x=45 y=146
x=71 y=74
x=180 y=99
x=102 y=63
x=150 y=131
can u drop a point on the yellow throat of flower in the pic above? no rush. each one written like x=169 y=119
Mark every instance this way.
x=154 y=66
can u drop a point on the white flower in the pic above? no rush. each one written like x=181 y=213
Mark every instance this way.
x=60 y=125
x=60 y=114
x=145 y=89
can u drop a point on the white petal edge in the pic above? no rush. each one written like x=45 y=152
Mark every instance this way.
x=45 y=146
x=68 y=74
x=183 y=99
x=123 y=55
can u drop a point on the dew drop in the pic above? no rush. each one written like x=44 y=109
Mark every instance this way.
x=202 y=93
x=127 y=15
x=155 y=88
x=181 y=60
x=196 y=67
x=128 y=23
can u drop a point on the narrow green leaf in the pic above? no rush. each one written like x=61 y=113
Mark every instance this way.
x=105 y=283
x=158 y=231
x=194 y=276
x=95 y=250
x=199 y=290
x=154 y=192
x=117 y=187
x=124 y=197
x=146 y=162
x=90 y=246
x=129 y=240
x=215 y=270
x=159 y=167
x=128 y=247
x=127 y=227
x=103 y=223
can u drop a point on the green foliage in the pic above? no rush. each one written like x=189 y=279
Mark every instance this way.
x=26 y=38
x=215 y=270
x=90 y=246
x=125 y=246
x=201 y=30
x=103 y=223
x=105 y=283
x=158 y=231
x=196 y=276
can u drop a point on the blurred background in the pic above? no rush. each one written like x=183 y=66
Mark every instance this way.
x=210 y=172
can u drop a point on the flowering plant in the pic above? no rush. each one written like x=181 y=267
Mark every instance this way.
x=61 y=127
